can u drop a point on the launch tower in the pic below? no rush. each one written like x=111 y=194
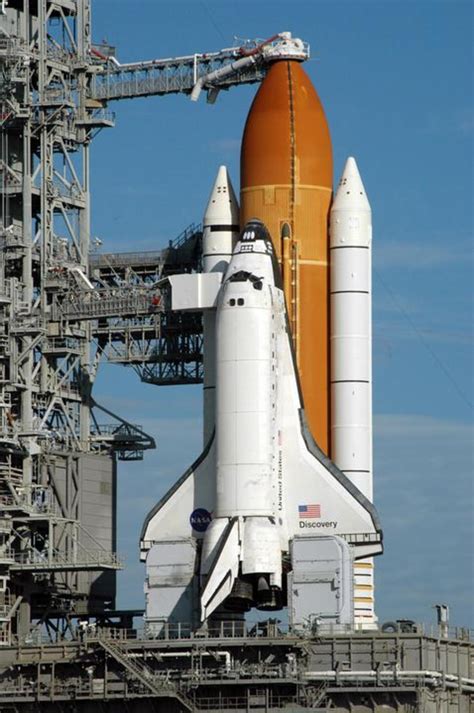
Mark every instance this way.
x=63 y=309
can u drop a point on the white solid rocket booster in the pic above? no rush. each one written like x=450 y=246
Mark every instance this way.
x=351 y=349
x=220 y=231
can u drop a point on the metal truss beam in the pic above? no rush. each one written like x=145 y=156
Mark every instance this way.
x=63 y=309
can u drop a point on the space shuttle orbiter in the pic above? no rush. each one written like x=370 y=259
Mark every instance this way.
x=263 y=512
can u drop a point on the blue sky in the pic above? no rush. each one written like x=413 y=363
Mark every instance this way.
x=396 y=81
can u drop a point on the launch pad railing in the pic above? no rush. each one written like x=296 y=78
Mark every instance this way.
x=268 y=629
x=231 y=630
x=219 y=630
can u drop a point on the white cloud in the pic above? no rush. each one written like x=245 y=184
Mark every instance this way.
x=225 y=146
x=466 y=123
x=415 y=427
x=423 y=488
x=421 y=255
x=385 y=334
x=459 y=123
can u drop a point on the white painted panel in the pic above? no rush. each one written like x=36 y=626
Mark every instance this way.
x=194 y=292
x=351 y=401
x=350 y=269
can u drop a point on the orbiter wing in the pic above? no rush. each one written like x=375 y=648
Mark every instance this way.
x=186 y=509
x=312 y=495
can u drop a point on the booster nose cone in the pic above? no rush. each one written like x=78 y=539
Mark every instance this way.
x=350 y=193
x=220 y=224
x=223 y=207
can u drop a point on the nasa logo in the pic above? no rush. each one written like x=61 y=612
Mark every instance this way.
x=200 y=519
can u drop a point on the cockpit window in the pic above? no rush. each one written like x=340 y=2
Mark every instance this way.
x=244 y=276
x=240 y=276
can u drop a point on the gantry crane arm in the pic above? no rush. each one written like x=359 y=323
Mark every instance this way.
x=190 y=74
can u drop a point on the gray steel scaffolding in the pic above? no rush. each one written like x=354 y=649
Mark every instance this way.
x=240 y=668
x=62 y=309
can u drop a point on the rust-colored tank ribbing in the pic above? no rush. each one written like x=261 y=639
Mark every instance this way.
x=286 y=177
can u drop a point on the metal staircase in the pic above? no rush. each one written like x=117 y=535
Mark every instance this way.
x=156 y=685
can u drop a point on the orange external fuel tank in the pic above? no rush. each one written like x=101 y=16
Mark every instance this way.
x=286 y=181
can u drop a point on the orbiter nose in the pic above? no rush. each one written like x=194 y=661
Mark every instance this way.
x=255 y=230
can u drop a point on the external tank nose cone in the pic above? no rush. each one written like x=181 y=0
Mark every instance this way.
x=286 y=134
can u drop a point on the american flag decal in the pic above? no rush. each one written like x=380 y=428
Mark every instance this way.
x=309 y=511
